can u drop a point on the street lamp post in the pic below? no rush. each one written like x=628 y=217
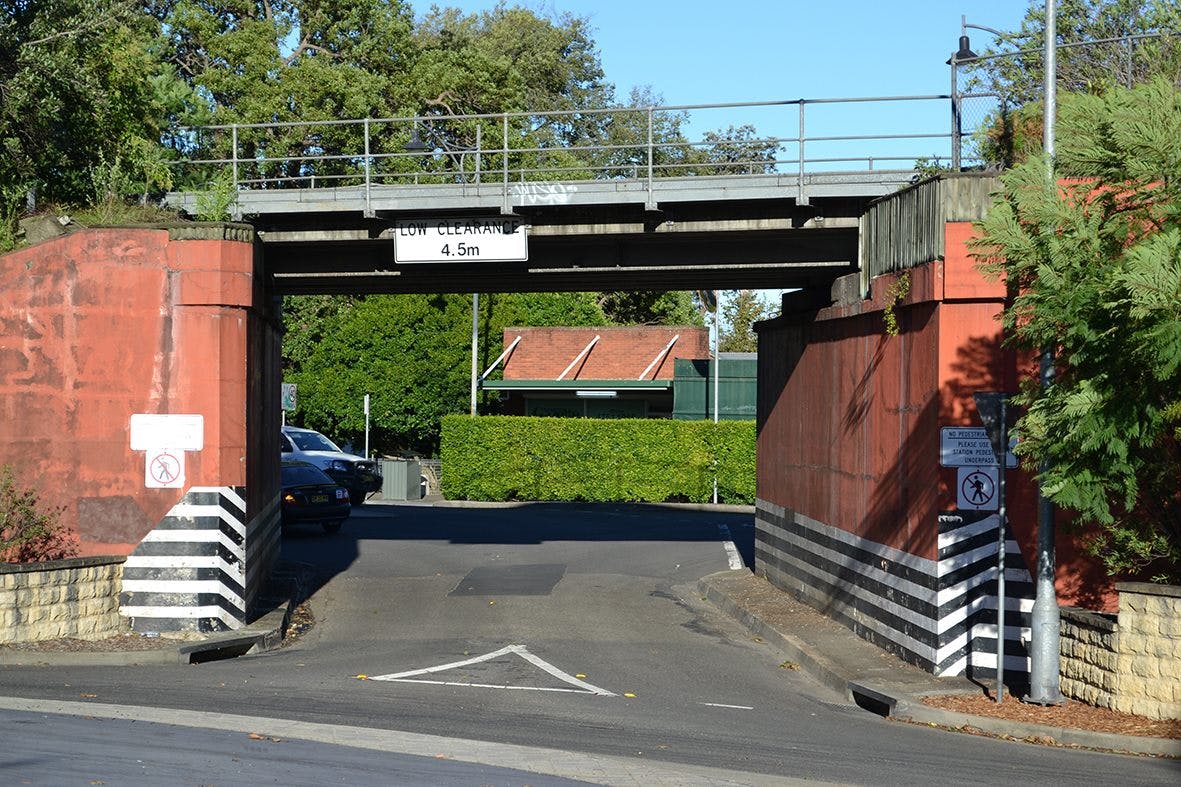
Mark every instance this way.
x=1044 y=657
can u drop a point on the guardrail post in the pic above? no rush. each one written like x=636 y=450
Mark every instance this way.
x=479 y=128
x=236 y=215
x=505 y=207
x=801 y=197
x=368 y=196
x=651 y=202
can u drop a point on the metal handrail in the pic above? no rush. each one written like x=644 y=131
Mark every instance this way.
x=378 y=158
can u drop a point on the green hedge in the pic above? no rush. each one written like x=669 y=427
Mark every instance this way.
x=638 y=460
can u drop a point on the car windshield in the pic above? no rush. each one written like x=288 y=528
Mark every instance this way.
x=296 y=475
x=312 y=441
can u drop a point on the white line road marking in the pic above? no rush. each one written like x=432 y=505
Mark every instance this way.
x=485 y=685
x=582 y=686
x=723 y=705
x=731 y=550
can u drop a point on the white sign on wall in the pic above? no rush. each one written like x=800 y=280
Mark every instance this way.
x=167 y=430
x=496 y=239
x=969 y=446
x=164 y=437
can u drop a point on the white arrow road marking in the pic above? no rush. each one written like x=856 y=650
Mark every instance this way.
x=731 y=550
x=582 y=686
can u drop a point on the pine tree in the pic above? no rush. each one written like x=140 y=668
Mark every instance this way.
x=1095 y=268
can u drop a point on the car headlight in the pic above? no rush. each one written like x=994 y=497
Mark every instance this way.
x=340 y=464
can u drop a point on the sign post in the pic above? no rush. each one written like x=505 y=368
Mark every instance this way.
x=993 y=411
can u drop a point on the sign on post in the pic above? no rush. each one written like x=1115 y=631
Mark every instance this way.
x=496 y=239
x=977 y=488
x=969 y=446
x=288 y=396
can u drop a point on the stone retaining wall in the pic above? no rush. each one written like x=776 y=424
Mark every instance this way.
x=77 y=598
x=1088 y=645
x=1149 y=650
x=1130 y=664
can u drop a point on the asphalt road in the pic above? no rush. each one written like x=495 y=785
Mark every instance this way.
x=566 y=628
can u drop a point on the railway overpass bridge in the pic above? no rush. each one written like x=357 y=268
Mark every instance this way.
x=767 y=212
x=160 y=347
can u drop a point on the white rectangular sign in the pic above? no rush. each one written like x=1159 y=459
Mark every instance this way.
x=969 y=446
x=167 y=430
x=497 y=239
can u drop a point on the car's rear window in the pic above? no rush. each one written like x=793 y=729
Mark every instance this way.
x=303 y=474
x=312 y=441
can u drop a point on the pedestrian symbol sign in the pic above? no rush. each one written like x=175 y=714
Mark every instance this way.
x=165 y=469
x=976 y=489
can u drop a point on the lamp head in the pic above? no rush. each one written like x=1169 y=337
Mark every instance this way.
x=965 y=52
x=416 y=145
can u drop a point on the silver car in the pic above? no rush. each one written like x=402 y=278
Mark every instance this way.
x=355 y=473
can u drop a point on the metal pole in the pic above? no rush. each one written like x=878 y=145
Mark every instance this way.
x=955 y=117
x=368 y=195
x=717 y=369
x=366 y=426
x=1000 y=561
x=1044 y=656
x=651 y=202
x=800 y=198
x=475 y=329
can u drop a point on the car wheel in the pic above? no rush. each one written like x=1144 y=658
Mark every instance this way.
x=357 y=496
x=331 y=527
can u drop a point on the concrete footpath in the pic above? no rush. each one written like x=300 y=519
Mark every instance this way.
x=876 y=680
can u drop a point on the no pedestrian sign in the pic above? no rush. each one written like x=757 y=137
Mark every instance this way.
x=497 y=239
x=976 y=489
x=164 y=469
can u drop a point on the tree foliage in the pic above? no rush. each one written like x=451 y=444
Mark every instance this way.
x=1095 y=268
x=412 y=353
x=1096 y=49
x=1101 y=44
x=740 y=311
x=80 y=89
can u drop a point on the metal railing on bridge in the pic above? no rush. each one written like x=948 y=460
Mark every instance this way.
x=797 y=140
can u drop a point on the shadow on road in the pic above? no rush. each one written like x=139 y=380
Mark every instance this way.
x=528 y=523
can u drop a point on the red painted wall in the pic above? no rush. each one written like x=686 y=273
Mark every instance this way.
x=850 y=416
x=100 y=324
x=622 y=353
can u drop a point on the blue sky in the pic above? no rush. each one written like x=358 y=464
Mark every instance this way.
x=693 y=52
x=761 y=50
x=767 y=50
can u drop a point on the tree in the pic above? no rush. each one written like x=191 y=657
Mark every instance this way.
x=80 y=89
x=1095 y=50
x=286 y=61
x=1095 y=268
x=740 y=311
x=649 y=307
x=1102 y=44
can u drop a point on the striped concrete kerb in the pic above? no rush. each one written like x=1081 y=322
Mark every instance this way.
x=878 y=682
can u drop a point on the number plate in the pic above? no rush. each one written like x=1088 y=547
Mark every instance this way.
x=319 y=498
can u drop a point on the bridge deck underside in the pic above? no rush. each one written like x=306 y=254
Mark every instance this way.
x=753 y=244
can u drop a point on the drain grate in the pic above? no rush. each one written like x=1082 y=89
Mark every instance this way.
x=534 y=579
